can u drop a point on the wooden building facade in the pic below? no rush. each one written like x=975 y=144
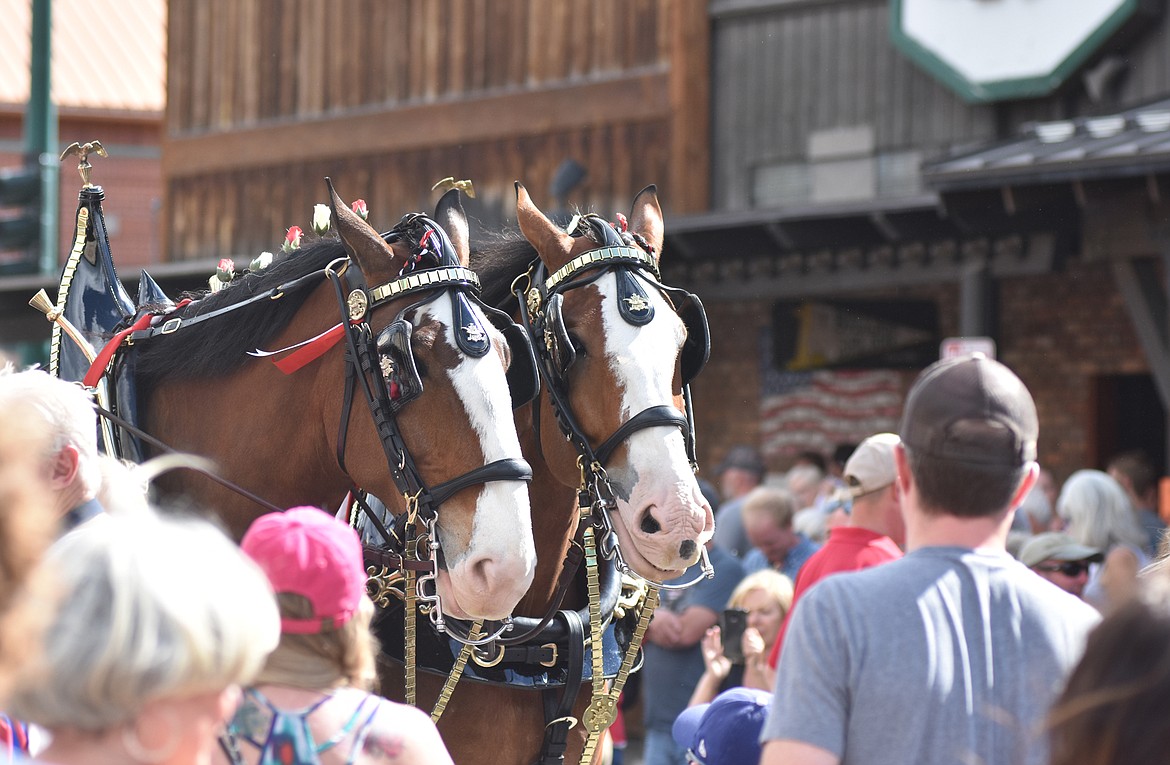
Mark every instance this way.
x=266 y=97
x=793 y=145
x=832 y=190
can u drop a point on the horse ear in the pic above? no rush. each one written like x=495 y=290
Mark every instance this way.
x=646 y=218
x=449 y=214
x=553 y=245
x=361 y=241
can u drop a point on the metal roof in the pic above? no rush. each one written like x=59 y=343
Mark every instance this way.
x=107 y=54
x=1134 y=142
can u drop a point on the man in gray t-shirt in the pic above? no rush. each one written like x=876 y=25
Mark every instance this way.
x=954 y=653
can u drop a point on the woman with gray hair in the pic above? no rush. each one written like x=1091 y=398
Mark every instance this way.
x=157 y=623
x=60 y=427
x=1096 y=512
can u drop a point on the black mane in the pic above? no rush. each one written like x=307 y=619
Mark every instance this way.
x=218 y=346
x=498 y=259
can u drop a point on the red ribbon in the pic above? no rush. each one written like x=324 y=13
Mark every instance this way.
x=310 y=352
x=102 y=360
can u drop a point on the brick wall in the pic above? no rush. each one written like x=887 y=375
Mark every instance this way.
x=131 y=177
x=1059 y=332
x=727 y=393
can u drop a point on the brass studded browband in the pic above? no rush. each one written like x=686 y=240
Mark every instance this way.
x=626 y=254
x=433 y=277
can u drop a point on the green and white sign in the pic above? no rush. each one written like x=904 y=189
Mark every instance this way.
x=992 y=50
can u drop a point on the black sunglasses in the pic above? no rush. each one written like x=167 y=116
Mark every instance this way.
x=1072 y=568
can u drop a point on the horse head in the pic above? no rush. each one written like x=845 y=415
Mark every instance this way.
x=440 y=364
x=622 y=348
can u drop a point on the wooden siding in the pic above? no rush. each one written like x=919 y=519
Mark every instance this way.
x=267 y=96
x=787 y=70
x=246 y=211
x=783 y=70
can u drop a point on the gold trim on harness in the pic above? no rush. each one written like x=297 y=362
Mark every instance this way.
x=599 y=255
x=79 y=233
x=432 y=277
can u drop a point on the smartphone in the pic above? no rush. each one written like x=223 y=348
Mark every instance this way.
x=732 y=623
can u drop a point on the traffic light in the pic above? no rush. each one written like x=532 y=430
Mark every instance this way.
x=20 y=219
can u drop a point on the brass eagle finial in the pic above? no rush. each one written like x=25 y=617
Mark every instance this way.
x=83 y=151
x=450 y=183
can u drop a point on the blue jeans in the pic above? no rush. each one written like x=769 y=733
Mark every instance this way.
x=659 y=749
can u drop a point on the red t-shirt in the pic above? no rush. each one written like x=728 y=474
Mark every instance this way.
x=849 y=548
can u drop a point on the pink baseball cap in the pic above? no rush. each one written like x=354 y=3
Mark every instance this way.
x=307 y=552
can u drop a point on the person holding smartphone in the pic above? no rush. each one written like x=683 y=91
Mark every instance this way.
x=735 y=652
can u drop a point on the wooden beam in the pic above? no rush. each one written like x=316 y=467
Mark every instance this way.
x=1145 y=302
x=625 y=99
x=790 y=283
x=690 y=75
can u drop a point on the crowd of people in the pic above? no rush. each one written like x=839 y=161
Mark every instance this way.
x=928 y=596
x=950 y=601
x=128 y=635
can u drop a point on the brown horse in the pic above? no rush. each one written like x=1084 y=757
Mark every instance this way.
x=616 y=358
x=395 y=320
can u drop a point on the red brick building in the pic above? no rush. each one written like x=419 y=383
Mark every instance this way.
x=109 y=84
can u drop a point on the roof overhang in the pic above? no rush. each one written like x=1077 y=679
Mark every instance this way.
x=1110 y=172
x=1133 y=143
x=807 y=251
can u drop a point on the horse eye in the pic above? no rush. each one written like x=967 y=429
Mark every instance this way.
x=578 y=345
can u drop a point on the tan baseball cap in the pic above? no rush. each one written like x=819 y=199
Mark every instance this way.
x=871 y=466
x=1053 y=545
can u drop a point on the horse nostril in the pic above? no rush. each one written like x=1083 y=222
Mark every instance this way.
x=650 y=524
x=687 y=548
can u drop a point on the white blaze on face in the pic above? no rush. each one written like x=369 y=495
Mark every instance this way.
x=502 y=530
x=642 y=359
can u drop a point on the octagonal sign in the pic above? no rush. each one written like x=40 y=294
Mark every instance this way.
x=991 y=50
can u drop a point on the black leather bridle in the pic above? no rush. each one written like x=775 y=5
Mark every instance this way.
x=365 y=365
x=635 y=270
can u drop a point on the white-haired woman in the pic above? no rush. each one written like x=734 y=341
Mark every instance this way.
x=156 y=625
x=1096 y=512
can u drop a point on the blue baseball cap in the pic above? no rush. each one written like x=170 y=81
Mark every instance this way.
x=726 y=731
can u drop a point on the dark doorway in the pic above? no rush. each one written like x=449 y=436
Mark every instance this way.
x=1129 y=415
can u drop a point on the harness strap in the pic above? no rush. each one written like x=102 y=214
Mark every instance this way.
x=169 y=450
x=391 y=560
x=573 y=557
x=310 y=351
x=558 y=712
x=610 y=583
x=359 y=498
x=176 y=322
x=102 y=360
x=507 y=469
x=346 y=404
x=663 y=414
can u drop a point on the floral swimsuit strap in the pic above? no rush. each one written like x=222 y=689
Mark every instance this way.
x=290 y=739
